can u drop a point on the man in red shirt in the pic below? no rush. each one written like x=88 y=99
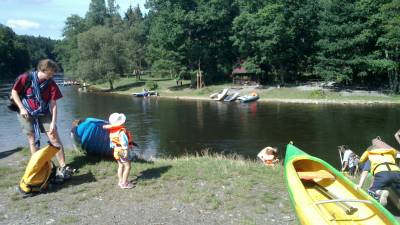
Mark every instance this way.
x=38 y=106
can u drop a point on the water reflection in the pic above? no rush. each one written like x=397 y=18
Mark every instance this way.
x=172 y=127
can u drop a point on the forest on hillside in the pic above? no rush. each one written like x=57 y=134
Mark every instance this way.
x=20 y=53
x=351 y=42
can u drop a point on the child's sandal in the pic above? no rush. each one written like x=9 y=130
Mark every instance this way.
x=127 y=185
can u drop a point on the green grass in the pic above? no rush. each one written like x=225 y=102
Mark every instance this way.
x=69 y=220
x=210 y=180
x=167 y=88
x=212 y=183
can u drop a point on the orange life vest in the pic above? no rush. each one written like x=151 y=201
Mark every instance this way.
x=114 y=138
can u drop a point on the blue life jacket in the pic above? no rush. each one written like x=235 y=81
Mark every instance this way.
x=93 y=138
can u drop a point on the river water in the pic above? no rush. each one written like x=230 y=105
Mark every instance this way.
x=173 y=127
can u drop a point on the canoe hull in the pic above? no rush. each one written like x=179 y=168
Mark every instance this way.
x=248 y=98
x=232 y=97
x=144 y=93
x=308 y=195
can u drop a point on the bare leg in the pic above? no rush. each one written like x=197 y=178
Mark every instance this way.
x=31 y=140
x=55 y=140
x=126 y=170
x=120 y=172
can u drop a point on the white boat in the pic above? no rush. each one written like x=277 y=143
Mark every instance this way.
x=220 y=95
x=249 y=98
x=231 y=97
x=214 y=95
x=145 y=93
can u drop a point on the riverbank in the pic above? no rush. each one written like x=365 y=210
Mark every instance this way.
x=207 y=189
x=311 y=93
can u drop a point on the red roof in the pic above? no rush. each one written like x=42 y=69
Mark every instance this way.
x=239 y=70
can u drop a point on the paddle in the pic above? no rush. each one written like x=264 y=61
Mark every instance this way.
x=346 y=207
x=340 y=154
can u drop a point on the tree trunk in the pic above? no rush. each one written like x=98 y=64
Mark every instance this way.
x=111 y=84
x=397 y=84
x=281 y=75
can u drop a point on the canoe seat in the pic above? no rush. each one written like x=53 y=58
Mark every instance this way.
x=319 y=174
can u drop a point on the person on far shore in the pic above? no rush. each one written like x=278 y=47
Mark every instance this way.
x=122 y=143
x=347 y=157
x=37 y=103
x=353 y=164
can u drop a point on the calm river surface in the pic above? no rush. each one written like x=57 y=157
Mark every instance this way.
x=172 y=127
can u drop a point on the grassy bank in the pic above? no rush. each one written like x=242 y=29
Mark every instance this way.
x=211 y=189
x=300 y=94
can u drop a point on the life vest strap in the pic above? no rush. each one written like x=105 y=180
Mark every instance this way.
x=387 y=164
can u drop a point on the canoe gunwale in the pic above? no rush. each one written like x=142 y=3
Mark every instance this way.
x=342 y=200
x=306 y=207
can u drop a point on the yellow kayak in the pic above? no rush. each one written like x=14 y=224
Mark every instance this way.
x=320 y=194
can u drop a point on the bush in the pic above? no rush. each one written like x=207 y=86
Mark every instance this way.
x=151 y=85
x=318 y=94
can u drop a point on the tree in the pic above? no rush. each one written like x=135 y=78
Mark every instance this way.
x=97 y=13
x=191 y=32
x=263 y=39
x=133 y=15
x=113 y=18
x=135 y=37
x=14 y=55
x=390 y=43
x=303 y=20
x=101 y=55
x=67 y=49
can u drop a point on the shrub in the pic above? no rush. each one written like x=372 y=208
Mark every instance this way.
x=318 y=94
x=151 y=85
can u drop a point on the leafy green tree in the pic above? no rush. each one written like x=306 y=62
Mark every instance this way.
x=390 y=43
x=38 y=48
x=302 y=18
x=165 y=41
x=97 y=13
x=133 y=15
x=67 y=49
x=101 y=55
x=337 y=29
x=113 y=18
x=263 y=39
x=192 y=33
x=135 y=37
x=14 y=57
x=349 y=31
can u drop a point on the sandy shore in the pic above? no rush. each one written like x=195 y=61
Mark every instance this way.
x=296 y=101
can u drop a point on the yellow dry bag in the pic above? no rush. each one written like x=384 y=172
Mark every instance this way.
x=38 y=170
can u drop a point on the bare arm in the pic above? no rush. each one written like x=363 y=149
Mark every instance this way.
x=53 y=109
x=345 y=165
x=18 y=101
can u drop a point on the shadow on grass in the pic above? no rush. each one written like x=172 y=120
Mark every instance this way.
x=128 y=86
x=74 y=181
x=125 y=87
x=153 y=173
x=139 y=159
x=159 y=79
x=179 y=88
x=82 y=160
x=9 y=152
x=81 y=179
